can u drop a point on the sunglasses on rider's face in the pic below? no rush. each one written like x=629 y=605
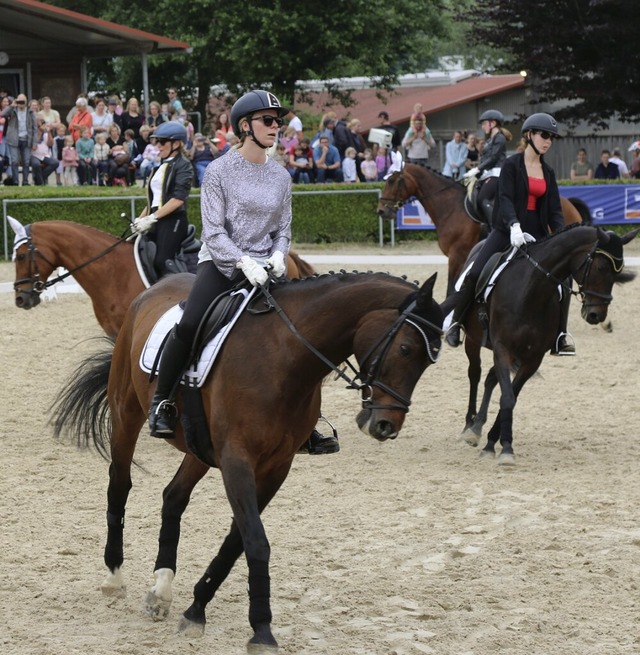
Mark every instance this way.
x=161 y=141
x=269 y=120
x=547 y=136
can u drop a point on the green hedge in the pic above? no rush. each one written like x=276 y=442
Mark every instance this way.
x=324 y=217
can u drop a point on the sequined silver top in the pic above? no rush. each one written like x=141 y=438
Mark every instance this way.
x=246 y=210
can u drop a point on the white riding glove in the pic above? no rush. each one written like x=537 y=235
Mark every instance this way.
x=518 y=237
x=276 y=263
x=143 y=224
x=256 y=275
x=472 y=173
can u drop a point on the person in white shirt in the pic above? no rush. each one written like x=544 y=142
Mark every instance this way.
x=349 y=170
x=616 y=158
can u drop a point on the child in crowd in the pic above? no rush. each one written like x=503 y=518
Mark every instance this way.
x=301 y=165
x=85 y=147
x=58 y=147
x=418 y=115
x=281 y=156
x=102 y=152
x=349 y=165
x=381 y=162
x=69 y=162
x=369 y=167
x=150 y=159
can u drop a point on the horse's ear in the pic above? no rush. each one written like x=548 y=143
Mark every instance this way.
x=17 y=227
x=603 y=237
x=426 y=291
x=629 y=236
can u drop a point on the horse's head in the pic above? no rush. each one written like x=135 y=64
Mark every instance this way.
x=30 y=277
x=604 y=266
x=397 y=190
x=393 y=349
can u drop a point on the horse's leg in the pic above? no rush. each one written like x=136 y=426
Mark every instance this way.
x=175 y=499
x=123 y=443
x=247 y=500
x=525 y=371
x=474 y=371
x=480 y=419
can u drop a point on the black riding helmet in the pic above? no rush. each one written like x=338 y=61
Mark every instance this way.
x=539 y=122
x=492 y=115
x=250 y=103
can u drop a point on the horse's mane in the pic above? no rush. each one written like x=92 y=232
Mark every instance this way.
x=345 y=276
x=89 y=228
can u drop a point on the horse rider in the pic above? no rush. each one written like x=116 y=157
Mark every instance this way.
x=164 y=218
x=492 y=156
x=246 y=226
x=527 y=208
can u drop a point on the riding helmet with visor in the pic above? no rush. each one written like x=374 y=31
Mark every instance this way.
x=541 y=122
x=171 y=130
x=250 y=103
x=492 y=115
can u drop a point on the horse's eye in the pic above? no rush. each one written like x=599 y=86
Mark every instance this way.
x=405 y=351
x=20 y=257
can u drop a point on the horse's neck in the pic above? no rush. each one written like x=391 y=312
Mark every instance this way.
x=437 y=194
x=566 y=252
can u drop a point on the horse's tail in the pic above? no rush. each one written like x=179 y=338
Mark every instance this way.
x=82 y=410
x=583 y=210
x=304 y=268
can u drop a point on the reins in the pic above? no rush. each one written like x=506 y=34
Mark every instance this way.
x=406 y=316
x=398 y=202
x=38 y=285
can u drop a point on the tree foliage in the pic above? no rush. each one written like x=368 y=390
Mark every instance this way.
x=584 y=51
x=272 y=42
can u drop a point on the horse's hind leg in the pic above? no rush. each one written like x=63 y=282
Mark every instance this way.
x=175 y=500
x=474 y=371
x=481 y=417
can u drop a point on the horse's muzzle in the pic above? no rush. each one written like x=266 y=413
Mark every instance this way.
x=378 y=428
x=594 y=314
x=27 y=299
x=387 y=212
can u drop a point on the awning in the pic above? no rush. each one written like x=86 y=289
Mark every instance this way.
x=31 y=29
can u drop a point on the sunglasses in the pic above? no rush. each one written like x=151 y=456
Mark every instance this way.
x=161 y=141
x=21 y=102
x=547 y=136
x=269 y=120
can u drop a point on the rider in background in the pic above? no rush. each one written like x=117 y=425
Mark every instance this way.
x=493 y=154
x=527 y=208
x=246 y=226
x=164 y=219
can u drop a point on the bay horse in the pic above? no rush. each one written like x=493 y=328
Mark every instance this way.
x=260 y=406
x=523 y=312
x=444 y=200
x=102 y=264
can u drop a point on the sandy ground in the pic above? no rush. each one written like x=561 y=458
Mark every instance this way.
x=409 y=547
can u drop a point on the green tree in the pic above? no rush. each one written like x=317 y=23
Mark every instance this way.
x=583 y=51
x=273 y=42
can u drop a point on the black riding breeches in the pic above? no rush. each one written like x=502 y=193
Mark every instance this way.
x=209 y=284
x=168 y=233
x=488 y=190
x=497 y=241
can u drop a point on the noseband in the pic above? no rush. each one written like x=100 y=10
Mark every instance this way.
x=422 y=325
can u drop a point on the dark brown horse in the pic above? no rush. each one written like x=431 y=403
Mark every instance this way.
x=260 y=407
x=443 y=198
x=523 y=312
x=102 y=264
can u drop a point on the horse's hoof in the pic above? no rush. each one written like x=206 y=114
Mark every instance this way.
x=113 y=585
x=470 y=438
x=158 y=600
x=190 y=628
x=507 y=459
x=485 y=454
x=263 y=642
x=155 y=607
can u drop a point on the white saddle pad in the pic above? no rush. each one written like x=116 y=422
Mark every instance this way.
x=196 y=374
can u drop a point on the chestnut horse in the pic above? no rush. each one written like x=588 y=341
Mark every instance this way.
x=102 y=264
x=444 y=200
x=523 y=312
x=260 y=406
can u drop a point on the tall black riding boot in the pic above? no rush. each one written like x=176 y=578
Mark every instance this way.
x=163 y=413
x=564 y=344
x=465 y=299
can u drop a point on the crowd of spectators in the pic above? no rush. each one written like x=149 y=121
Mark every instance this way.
x=107 y=142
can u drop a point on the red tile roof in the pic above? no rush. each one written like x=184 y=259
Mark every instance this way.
x=401 y=102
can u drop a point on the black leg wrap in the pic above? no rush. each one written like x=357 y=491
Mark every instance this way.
x=259 y=594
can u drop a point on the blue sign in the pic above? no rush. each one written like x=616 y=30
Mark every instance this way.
x=610 y=204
